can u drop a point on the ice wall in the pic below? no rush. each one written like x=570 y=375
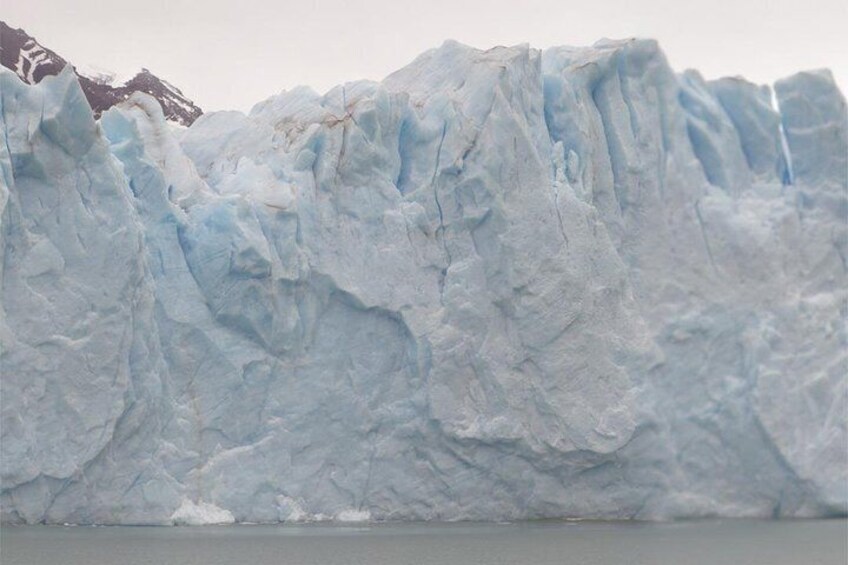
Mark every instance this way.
x=497 y=285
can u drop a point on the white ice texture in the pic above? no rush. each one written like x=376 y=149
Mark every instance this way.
x=499 y=284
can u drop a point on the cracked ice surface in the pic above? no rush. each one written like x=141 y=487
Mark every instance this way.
x=497 y=285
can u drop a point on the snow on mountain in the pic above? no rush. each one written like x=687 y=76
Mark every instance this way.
x=22 y=54
x=500 y=284
x=31 y=62
x=104 y=76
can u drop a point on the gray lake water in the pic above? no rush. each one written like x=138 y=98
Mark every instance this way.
x=736 y=542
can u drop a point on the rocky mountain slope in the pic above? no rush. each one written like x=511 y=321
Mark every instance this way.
x=31 y=61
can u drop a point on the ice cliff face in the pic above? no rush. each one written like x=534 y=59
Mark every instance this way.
x=497 y=285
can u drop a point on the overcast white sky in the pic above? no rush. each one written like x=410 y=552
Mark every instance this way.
x=232 y=54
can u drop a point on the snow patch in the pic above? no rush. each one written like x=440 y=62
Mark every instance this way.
x=104 y=76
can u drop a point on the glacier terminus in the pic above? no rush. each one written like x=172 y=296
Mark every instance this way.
x=497 y=285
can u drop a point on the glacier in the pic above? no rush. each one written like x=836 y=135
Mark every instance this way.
x=502 y=284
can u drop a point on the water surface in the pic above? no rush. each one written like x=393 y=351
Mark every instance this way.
x=736 y=542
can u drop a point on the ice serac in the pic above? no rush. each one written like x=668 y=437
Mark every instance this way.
x=743 y=287
x=80 y=363
x=497 y=285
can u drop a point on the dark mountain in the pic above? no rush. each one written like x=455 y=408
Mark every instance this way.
x=31 y=61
